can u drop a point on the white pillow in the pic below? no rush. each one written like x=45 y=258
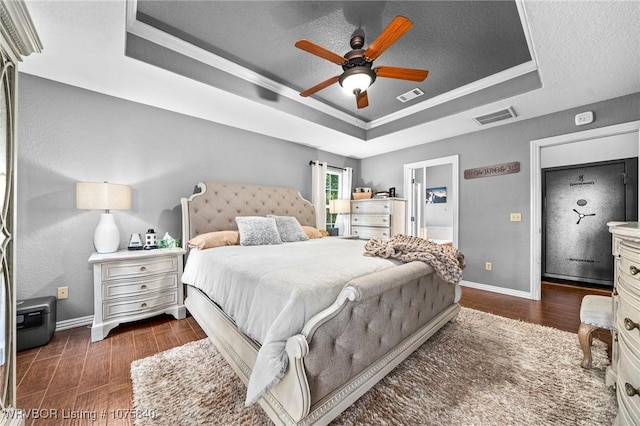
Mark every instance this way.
x=289 y=228
x=257 y=230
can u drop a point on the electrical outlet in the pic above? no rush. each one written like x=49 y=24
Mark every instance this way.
x=63 y=293
x=488 y=266
x=584 y=118
x=516 y=217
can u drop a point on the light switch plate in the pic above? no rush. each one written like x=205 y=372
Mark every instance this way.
x=516 y=217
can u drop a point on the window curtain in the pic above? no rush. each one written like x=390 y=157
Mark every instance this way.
x=345 y=194
x=318 y=192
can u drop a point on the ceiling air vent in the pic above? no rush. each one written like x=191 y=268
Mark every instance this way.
x=503 y=114
x=411 y=94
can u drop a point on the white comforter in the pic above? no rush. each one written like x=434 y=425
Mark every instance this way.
x=272 y=291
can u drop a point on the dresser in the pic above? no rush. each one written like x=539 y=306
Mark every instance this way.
x=378 y=218
x=625 y=358
x=132 y=285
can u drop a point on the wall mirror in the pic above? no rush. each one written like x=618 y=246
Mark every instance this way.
x=17 y=39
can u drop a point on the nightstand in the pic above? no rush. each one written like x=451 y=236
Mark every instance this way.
x=131 y=285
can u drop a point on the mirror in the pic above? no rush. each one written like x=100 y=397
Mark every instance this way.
x=7 y=354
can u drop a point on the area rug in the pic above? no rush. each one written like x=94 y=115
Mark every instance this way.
x=480 y=370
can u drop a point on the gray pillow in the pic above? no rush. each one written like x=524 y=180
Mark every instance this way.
x=289 y=228
x=257 y=231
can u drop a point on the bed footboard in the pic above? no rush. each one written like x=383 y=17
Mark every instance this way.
x=389 y=314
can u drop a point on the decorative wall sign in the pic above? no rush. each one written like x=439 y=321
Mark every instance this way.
x=488 y=171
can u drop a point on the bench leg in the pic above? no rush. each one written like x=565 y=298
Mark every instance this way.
x=584 y=337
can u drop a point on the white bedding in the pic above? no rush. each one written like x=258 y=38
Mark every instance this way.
x=271 y=291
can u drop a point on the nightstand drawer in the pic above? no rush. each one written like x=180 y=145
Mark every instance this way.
x=371 y=207
x=139 y=287
x=140 y=305
x=371 y=220
x=139 y=267
x=365 y=232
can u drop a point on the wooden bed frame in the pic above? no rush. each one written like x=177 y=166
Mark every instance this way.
x=404 y=306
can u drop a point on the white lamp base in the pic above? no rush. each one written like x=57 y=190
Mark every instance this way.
x=106 y=238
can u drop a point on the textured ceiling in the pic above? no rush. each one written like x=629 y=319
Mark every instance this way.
x=585 y=52
x=458 y=42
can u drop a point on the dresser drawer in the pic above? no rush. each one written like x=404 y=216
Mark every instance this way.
x=371 y=207
x=366 y=232
x=139 y=267
x=140 y=305
x=383 y=220
x=135 y=287
x=627 y=314
x=628 y=377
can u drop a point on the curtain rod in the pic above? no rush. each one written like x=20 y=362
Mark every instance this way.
x=329 y=165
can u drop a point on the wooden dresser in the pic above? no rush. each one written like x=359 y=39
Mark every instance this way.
x=625 y=363
x=378 y=218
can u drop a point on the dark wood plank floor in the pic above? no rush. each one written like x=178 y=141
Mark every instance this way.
x=82 y=379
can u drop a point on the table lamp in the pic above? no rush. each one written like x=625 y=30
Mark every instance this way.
x=104 y=196
x=342 y=208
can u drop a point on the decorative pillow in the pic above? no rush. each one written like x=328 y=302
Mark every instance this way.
x=257 y=231
x=311 y=232
x=289 y=228
x=215 y=239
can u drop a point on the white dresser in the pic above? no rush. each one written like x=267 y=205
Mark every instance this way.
x=625 y=363
x=378 y=218
x=132 y=285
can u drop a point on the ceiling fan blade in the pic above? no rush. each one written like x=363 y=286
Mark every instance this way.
x=401 y=73
x=314 y=49
x=320 y=86
x=389 y=35
x=362 y=100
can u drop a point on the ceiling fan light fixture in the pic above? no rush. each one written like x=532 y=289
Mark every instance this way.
x=357 y=79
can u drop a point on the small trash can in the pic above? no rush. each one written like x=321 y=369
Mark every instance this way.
x=36 y=322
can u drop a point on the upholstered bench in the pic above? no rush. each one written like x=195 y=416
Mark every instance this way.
x=595 y=312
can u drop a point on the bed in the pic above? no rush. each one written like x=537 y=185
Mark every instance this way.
x=362 y=329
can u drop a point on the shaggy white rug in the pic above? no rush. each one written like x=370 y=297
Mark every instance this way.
x=481 y=370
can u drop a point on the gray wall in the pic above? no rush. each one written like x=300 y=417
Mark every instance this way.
x=67 y=134
x=485 y=232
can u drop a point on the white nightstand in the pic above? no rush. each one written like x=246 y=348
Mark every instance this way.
x=130 y=285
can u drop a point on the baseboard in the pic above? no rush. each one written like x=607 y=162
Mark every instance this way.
x=494 y=289
x=74 y=322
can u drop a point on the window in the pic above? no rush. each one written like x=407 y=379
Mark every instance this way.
x=333 y=187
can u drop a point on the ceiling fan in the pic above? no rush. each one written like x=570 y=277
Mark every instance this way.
x=356 y=64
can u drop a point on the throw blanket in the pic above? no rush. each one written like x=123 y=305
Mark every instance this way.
x=447 y=261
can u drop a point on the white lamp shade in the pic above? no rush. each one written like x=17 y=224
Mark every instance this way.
x=353 y=82
x=339 y=206
x=103 y=196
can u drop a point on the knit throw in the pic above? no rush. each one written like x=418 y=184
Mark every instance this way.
x=447 y=261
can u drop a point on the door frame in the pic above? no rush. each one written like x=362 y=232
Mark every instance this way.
x=453 y=160
x=535 y=183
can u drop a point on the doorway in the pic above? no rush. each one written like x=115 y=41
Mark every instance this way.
x=432 y=205
x=605 y=143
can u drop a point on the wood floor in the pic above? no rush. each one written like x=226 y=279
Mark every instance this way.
x=73 y=381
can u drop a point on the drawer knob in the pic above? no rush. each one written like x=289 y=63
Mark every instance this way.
x=615 y=291
x=143 y=305
x=633 y=270
x=143 y=268
x=355 y=219
x=630 y=390
x=630 y=325
x=143 y=287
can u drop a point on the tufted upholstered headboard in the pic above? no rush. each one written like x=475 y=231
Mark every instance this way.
x=217 y=204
